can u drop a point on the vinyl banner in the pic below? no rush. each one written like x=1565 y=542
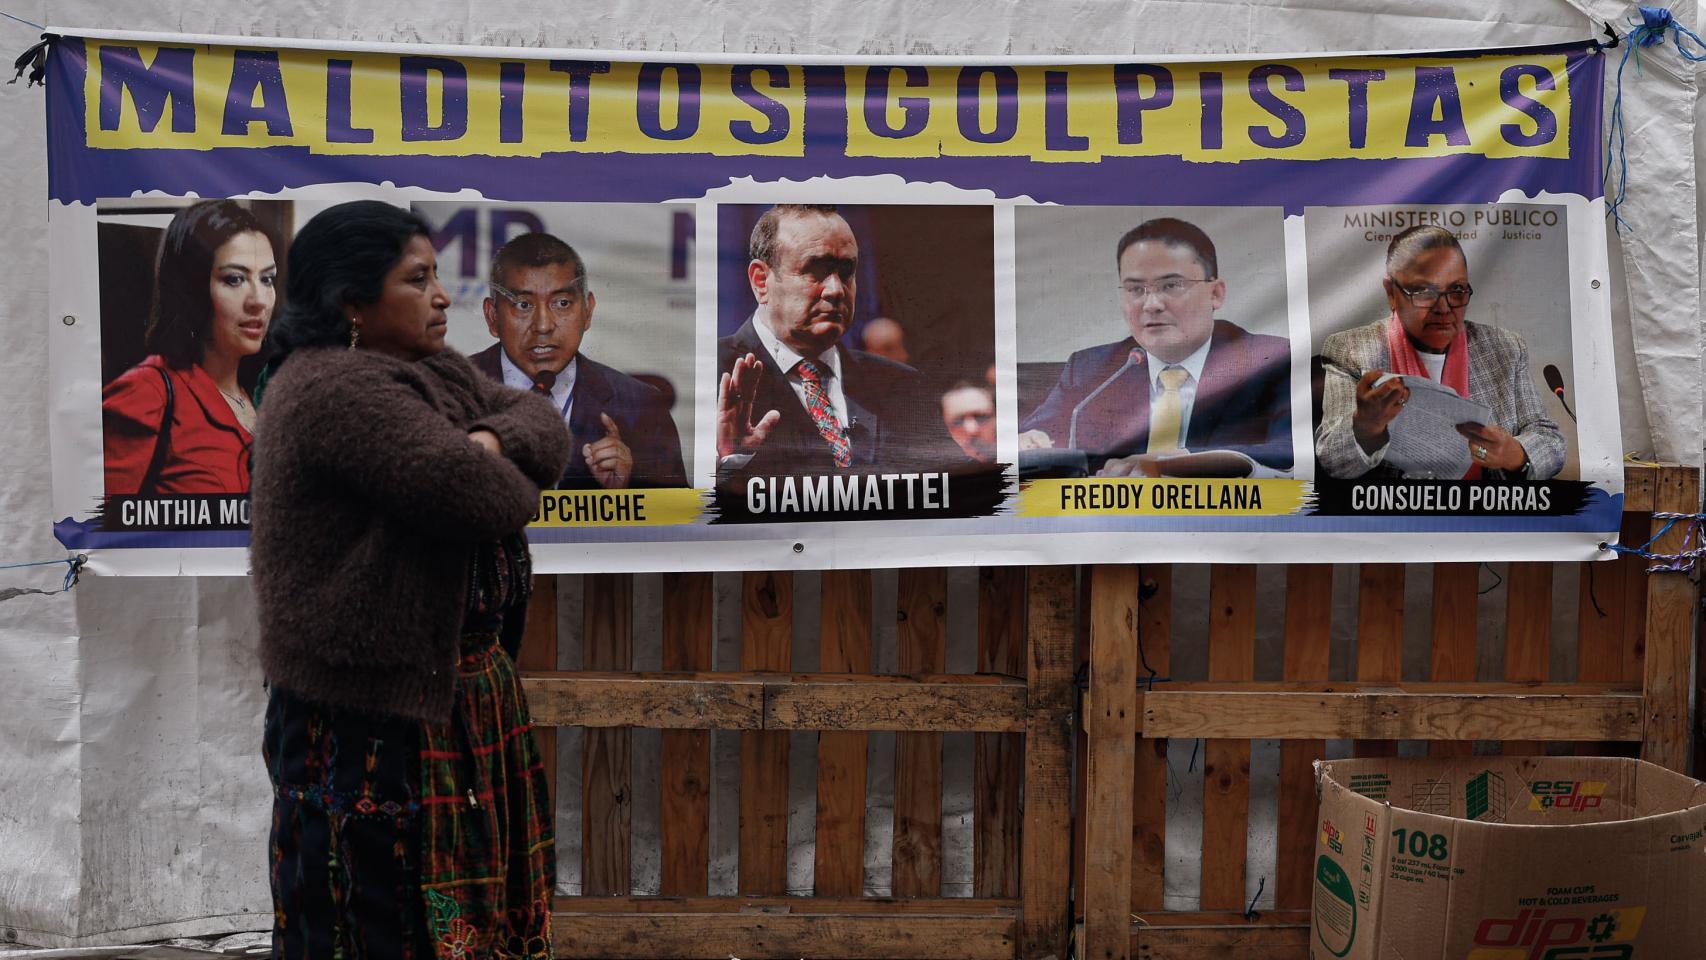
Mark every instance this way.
x=814 y=313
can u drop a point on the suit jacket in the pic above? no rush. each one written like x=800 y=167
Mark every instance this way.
x=638 y=409
x=894 y=419
x=209 y=449
x=1243 y=400
x=1499 y=377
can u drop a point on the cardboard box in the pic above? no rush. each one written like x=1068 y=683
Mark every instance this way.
x=1508 y=858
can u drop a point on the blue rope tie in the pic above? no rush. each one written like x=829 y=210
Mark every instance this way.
x=74 y=568
x=1656 y=23
x=27 y=23
x=1693 y=544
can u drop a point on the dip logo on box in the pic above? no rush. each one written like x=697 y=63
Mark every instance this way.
x=1333 y=837
x=1542 y=935
x=1575 y=795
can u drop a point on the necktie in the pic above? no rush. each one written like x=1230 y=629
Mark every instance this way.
x=1169 y=412
x=823 y=412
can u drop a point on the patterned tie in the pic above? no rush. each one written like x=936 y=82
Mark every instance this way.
x=1169 y=412
x=823 y=412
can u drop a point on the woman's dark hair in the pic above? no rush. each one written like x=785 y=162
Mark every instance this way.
x=339 y=258
x=180 y=321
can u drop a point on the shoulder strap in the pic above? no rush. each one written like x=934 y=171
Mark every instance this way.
x=162 y=438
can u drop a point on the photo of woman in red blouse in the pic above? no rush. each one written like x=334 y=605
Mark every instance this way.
x=179 y=422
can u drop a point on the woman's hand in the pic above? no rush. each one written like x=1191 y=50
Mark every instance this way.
x=1376 y=408
x=487 y=440
x=1493 y=446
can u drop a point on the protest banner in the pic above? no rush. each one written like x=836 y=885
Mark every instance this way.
x=875 y=312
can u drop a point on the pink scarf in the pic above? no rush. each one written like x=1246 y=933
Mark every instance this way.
x=1407 y=362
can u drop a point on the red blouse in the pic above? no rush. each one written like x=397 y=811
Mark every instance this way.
x=209 y=449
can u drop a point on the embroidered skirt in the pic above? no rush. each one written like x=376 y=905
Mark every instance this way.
x=489 y=857
x=393 y=838
x=346 y=841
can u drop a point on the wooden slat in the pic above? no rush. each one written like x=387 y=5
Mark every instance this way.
x=1492 y=688
x=1222 y=935
x=1226 y=763
x=1178 y=709
x=1551 y=715
x=1528 y=632
x=1081 y=741
x=761 y=936
x=1455 y=614
x=999 y=758
x=1671 y=602
x=1636 y=529
x=921 y=649
x=895 y=906
x=1599 y=621
x=1265 y=942
x=684 y=822
x=1619 y=587
x=1308 y=656
x=845 y=637
x=941 y=703
x=1046 y=839
x=704 y=701
x=797 y=701
x=1604 y=609
x=1380 y=635
x=766 y=629
x=1258 y=943
x=1640 y=484
x=756 y=701
x=1110 y=709
x=606 y=785
x=1149 y=773
x=1176 y=919
x=539 y=652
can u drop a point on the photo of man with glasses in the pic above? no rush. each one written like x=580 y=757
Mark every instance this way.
x=1183 y=381
x=1427 y=335
x=539 y=307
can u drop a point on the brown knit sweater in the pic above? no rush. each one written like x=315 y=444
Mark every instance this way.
x=367 y=499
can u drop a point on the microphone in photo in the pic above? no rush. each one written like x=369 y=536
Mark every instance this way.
x=1133 y=359
x=543 y=381
x=1555 y=381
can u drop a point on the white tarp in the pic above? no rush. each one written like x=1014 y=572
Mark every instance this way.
x=132 y=800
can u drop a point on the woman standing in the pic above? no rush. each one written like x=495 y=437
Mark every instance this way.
x=179 y=421
x=410 y=817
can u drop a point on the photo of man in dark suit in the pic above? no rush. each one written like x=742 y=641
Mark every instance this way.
x=790 y=398
x=1182 y=382
x=539 y=308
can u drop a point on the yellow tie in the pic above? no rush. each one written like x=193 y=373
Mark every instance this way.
x=1169 y=412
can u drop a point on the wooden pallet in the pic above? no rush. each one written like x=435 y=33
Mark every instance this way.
x=1041 y=885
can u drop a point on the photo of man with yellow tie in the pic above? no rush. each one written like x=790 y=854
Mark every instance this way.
x=1183 y=381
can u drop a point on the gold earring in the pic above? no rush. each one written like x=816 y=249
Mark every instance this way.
x=354 y=335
